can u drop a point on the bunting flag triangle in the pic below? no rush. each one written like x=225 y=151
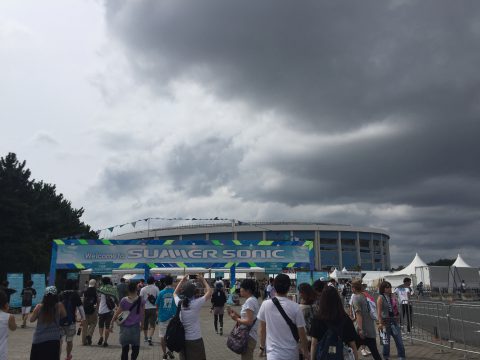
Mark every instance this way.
x=133 y=223
x=111 y=228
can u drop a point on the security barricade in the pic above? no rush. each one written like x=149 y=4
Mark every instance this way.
x=454 y=326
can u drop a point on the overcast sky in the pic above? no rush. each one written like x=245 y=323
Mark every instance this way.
x=364 y=113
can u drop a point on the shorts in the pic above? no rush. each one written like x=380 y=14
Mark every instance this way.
x=162 y=327
x=104 y=320
x=218 y=310
x=68 y=331
x=130 y=335
x=150 y=319
x=26 y=310
x=45 y=350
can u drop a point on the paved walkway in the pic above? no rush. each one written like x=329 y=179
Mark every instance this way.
x=20 y=343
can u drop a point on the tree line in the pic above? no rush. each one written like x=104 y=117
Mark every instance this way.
x=32 y=214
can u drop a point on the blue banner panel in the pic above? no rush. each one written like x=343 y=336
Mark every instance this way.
x=70 y=254
x=39 y=286
x=304 y=277
x=16 y=283
x=320 y=274
x=102 y=268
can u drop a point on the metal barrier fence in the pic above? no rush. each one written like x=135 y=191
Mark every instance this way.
x=454 y=326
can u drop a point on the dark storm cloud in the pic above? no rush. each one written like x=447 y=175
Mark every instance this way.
x=199 y=169
x=330 y=68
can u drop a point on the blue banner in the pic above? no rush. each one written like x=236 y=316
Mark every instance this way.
x=323 y=275
x=102 y=268
x=39 y=286
x=16 y=283
x=304 y=277
x=71 y=254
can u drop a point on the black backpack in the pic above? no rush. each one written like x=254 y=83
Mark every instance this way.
x=89 y=302
x=330 y=346
x=175 y=333
x=110 y=302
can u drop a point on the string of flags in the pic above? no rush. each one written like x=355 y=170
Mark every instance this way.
x=147 y=220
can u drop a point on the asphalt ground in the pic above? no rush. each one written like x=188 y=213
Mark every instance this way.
x=19 y=343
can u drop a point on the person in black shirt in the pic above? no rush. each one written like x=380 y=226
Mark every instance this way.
x=218 y=302
x=28 y=294
x=90 y=304
x=331 y=314
x=71 y=301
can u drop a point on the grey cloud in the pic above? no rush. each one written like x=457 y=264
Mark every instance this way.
x=330 y=64
x=328 y=68
x=197 y=169
x=44 y=138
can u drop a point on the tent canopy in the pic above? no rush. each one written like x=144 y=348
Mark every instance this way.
x=460 y=263
x=410 y=269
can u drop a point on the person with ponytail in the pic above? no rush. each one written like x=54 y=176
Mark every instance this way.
x=47 y=335
x=218 y=305
x=130 y=327
x=190 y=316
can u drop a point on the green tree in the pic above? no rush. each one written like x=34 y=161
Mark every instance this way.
x=442 y=262
x=32 y=214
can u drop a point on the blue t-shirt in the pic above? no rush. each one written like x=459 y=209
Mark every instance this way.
x=166 y=305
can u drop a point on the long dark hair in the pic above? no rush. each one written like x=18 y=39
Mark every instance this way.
x=49 y=303
x=330 y=308
x=306 y=293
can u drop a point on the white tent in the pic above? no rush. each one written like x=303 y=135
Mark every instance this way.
x=410 y=269
x=460 y=263
x=396 y=278
x=372 y=278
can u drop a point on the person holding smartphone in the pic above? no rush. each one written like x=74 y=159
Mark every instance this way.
x=190 y=316
x=248 y=315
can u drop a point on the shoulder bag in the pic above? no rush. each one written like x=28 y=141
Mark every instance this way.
x=238 y=339
x=125 y=313
x=289 y=321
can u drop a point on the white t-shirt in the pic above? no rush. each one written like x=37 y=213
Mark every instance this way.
x=190 y=318
x=3 y=334
x=251 y=304
x=403 y=294
x=281 y=344
x=103 y=308
x=149 y=290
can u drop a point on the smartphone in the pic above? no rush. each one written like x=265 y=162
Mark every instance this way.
x=192 y=276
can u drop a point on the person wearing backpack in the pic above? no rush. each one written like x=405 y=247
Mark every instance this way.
x=194 y=348
x=108 y=301
x=389 y=320
x=71 y=301
x=332 y=331
x=282 y=325
x=166 y=311
x=134 y=305
x=28 y=294
x=218 y=304
x=364 y=322
x=149 y=294
x=90 y=301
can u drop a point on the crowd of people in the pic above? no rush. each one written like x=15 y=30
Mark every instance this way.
x=326 y=323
